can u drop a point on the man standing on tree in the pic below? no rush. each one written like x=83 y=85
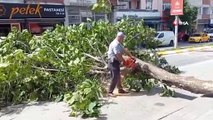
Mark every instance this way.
x=115 y=57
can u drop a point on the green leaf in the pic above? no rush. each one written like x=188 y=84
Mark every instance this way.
x=4 y=65
x=87 y=90
x=91 y=106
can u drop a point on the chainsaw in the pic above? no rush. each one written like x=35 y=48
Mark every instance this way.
x=130 y=63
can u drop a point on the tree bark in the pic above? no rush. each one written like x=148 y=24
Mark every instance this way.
x=187 y=83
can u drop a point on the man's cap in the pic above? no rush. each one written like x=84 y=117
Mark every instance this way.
x=120 y=34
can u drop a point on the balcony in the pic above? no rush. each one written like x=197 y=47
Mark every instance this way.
x=80 y=2
x=205 y=16
x=206 y=2
x=12 y=1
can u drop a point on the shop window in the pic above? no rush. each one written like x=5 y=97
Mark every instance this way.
x=16 y=26
x=39 y=28
x=166 y=6
x=4 y=29
x=35 y=28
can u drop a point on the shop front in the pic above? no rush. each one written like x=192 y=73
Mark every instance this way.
x=34 y=17
x=151 y=18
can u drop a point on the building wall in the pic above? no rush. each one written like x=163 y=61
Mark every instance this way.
x=77 y=11
x=156 y=4
x=206 y=2
x=205 y=13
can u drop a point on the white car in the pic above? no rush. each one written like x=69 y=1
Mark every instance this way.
x=210 y=36
x=165 y=37
x=209 y=33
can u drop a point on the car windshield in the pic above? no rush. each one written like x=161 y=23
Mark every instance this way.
x=156 y=34
x=196 y=35
x=209 y=31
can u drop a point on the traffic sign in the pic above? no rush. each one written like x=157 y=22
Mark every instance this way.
x=176 y=7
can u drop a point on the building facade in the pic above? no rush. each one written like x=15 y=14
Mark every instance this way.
x=78 y=11
x=205 y=14
x=34 y=15
x=137 y=9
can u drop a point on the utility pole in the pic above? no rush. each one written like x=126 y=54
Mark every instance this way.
x=176 y=31
x=176 y=10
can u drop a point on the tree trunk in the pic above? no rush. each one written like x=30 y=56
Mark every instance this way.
x=187 y=83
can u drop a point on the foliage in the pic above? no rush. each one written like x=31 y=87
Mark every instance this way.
x=86 y=99
x=143 y=81
x=48 y=66
x=166 y=92
x=139 y=82
x=103 y=6
x=39 y=68
x=157 y=60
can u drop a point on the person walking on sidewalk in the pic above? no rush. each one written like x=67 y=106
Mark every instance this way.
x=115 y=59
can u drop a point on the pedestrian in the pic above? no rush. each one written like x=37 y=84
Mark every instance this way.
x=115 y=59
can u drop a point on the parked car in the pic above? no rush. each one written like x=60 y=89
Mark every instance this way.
x=165 y=37
x=183 y=36
x=199 y=37
x=210 y=34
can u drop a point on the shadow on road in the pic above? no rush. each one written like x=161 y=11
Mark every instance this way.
x=17 y=109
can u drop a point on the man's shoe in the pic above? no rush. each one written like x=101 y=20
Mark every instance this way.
x=122 y=91
x=111 y=95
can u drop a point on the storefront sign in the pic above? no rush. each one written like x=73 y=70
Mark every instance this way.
x=11 y=11
x=176 y=7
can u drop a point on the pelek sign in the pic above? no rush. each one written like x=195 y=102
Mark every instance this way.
x=11 y=11
x=176 y=7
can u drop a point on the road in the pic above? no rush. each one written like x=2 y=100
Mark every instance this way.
x=183 y=59
x=198 y=64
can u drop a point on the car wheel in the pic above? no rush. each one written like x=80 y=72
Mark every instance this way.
x=171 y=43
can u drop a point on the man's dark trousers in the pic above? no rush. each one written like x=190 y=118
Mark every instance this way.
x=114 y=67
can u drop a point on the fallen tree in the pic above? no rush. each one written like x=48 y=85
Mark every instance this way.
x=191 y=84
x=187 y=83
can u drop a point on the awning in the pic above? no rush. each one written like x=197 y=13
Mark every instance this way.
x=8 y=21
x=46 y=20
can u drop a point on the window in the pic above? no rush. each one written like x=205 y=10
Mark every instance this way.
x=161 y=35
x=130 y=4
x=138 y=4
x=212 y=10
x=166 y=6
x=206 y=10
x=199 y=10
x=149 y=4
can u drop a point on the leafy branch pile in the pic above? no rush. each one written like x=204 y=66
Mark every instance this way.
x=49 y=66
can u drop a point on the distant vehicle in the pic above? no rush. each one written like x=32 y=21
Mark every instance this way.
x=199 y=37
x=210 y=34
x=165 y=37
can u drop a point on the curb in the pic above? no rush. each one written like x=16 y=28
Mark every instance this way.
x=182 y=50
